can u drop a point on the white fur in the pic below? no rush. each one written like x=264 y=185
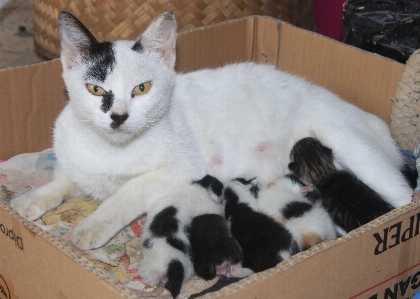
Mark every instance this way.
x=190 y=201
x=272 y=199
x=237 y=121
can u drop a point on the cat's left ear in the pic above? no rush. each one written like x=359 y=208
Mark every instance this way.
x=161 y=36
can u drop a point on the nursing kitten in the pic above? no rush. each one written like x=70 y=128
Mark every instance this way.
x=291 y=203
x=184 y=235
x=264 y=242
x=350 y=202
x=134 y=130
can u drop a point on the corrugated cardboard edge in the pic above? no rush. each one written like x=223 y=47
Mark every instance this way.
x=64 y=247
x=313 y=251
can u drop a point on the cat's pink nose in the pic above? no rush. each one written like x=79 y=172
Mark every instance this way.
x=118 y=119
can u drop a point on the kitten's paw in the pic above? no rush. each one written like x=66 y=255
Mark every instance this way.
x=91 y=233
x=29 y=206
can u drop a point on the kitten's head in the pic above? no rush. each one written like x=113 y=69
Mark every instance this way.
x=121 y=88
x=311 y=161
x=243 y=191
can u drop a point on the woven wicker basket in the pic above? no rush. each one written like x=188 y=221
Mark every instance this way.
x=405 y=116
x=126 y=19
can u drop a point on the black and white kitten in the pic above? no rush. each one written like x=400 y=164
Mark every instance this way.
x=350 y=202
x=187 y=234
x=264 y=242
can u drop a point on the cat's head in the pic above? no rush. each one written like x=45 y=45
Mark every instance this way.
x=120 y=88
x=311 y=161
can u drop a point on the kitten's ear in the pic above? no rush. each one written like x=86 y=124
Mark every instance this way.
x=327 y=151
x=293 y=166
x=75 y=38
x=161 y=36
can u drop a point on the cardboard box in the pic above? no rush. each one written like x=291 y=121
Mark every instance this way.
x=376 y=261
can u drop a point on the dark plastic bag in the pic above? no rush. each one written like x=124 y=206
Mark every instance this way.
x=387 y=27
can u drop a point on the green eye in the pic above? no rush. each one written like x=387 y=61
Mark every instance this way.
x=95 y=89
x=141 y=89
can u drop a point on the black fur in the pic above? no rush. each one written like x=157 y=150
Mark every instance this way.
x=253 y=189
x=147 y=243
x=311 y=161
x=165 y=224
x=102 y=59
x=350 y=202
x=99 y=56
x=296 y=209
x=118 y=119
x=260 y=237
x=212 y=184
x=138 y=46
x=178 y=244
x=107 y=101
x=175 y=275
x=212 y=244
x=409 y=172
x=221 y=283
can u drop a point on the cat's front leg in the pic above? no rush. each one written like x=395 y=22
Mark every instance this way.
x=33 y=205
x=133 y=199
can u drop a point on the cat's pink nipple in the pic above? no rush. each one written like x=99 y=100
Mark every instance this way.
x=217 y=161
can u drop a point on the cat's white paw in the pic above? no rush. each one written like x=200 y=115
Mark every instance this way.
x=30 y=206
x=92 y=233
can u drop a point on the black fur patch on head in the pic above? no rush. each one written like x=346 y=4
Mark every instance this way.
x=107 y=101
x=212 y=184
x=147 y=243
x=244 y=181
x=138 y=46
x=296 y=209
x=102 y=59
x=254 y=189
x=212 y=244
x=311 y=161
x=175 y=276
x=165 y=224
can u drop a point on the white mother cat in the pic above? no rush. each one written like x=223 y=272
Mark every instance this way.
x=133 y=129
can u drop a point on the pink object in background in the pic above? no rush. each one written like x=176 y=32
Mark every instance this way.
x=329 y=18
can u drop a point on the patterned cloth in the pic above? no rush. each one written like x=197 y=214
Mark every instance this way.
x=119 y=258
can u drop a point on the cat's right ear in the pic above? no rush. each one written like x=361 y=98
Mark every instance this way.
x=76 y=39
x=160 y=36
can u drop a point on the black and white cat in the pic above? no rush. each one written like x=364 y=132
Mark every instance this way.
x=350 y=202
x=187 y=234
x=288 y=203
x=264 y=242
x=134 y=131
